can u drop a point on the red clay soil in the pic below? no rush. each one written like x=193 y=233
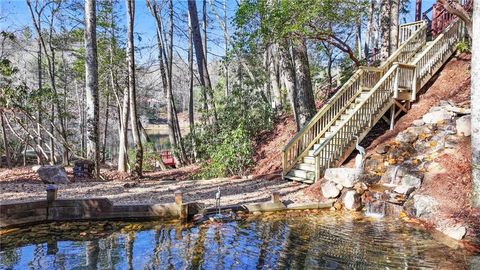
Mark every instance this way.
x=452 y=83
x=269 y=144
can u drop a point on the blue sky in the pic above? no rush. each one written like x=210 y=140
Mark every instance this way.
x=18 y=16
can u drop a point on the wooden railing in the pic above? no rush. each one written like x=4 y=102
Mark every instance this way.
x=407 y=30
x=358 y=121
x=437 y=53
x=363 y=78
x=309 y=135
x=441 y=18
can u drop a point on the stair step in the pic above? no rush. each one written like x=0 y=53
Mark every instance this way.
x=299 y=179
x=302 y=174
x=309 y=160
x=306 y=167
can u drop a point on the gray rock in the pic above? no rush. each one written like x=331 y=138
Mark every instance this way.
x=411 y=180
x=382 y=149
x=418 y=122
x=456 y=232
x=458 y=110
x=352 y=200
x=53 y=175
x=464 y=126
x=404 y=189
x=424 y=206
x=434 y=117
x=394 y=174
x=330 y=190
x=407 y=137
x=346 y=177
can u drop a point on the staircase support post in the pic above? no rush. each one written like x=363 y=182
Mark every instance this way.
x=392 y=117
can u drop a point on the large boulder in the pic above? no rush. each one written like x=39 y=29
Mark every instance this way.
x=352 y=200
x=412 y=180
x=456 y=232
x=53 y=174
x=346 y=177
x=424 y=206
x=330 y=189
x=438 y=116
x=464 y=126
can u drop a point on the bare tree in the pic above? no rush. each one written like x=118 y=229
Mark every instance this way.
x=394 y=17
x=454 y=7
x=5 y=140
x=303 y=83
x=385 y=30
x=91 y=84
x=137 y=170
x=201 y=61
x=475 y=103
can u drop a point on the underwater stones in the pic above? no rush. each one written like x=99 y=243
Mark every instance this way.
x=330 y=190
x=464 y=126
x=352 y=200
x=437 y=116
x=346 y=177
x=456 y=232
x=53 y=175
x=424 y=205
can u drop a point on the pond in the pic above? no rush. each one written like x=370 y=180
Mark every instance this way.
x=281 y=241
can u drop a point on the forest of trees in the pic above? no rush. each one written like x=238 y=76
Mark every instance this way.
x=75 y=83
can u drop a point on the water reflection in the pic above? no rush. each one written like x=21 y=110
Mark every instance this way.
x=323 y=241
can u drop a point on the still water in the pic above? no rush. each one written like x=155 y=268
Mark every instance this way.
x=315 y=241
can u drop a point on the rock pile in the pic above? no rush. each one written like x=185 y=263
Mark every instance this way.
x=394 y=173
x=83 y=168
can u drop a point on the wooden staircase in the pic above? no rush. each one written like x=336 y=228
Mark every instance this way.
x=368 y=96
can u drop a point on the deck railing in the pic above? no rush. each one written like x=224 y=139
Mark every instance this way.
x=364 y=78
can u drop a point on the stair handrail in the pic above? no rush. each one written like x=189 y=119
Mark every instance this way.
x=304 y=139
x=451 y=34
x=351 y=122
x=410 y=47
x=407 y=29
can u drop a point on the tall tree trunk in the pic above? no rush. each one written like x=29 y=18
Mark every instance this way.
x=303 y=82
x=39 y=113
x=288 y=74
x=105 y=130
x=475 y=103
x=5 y=140
x=368 y=31
x=201 y=61
x=225 y=38
x=394 y=17
x=385 y=30
x=273 y=76
x=204 y=29
x=191 y=118
x=91 y=84
x=137 y=171
x=358 y=38
x=418 y=10
x=123 y=133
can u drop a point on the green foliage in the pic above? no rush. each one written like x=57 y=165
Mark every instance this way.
x=150 y=157
x=232 y=156
x=227 y=149
x=463 y=47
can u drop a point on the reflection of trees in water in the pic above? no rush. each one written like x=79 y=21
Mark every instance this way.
x=298 y=243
